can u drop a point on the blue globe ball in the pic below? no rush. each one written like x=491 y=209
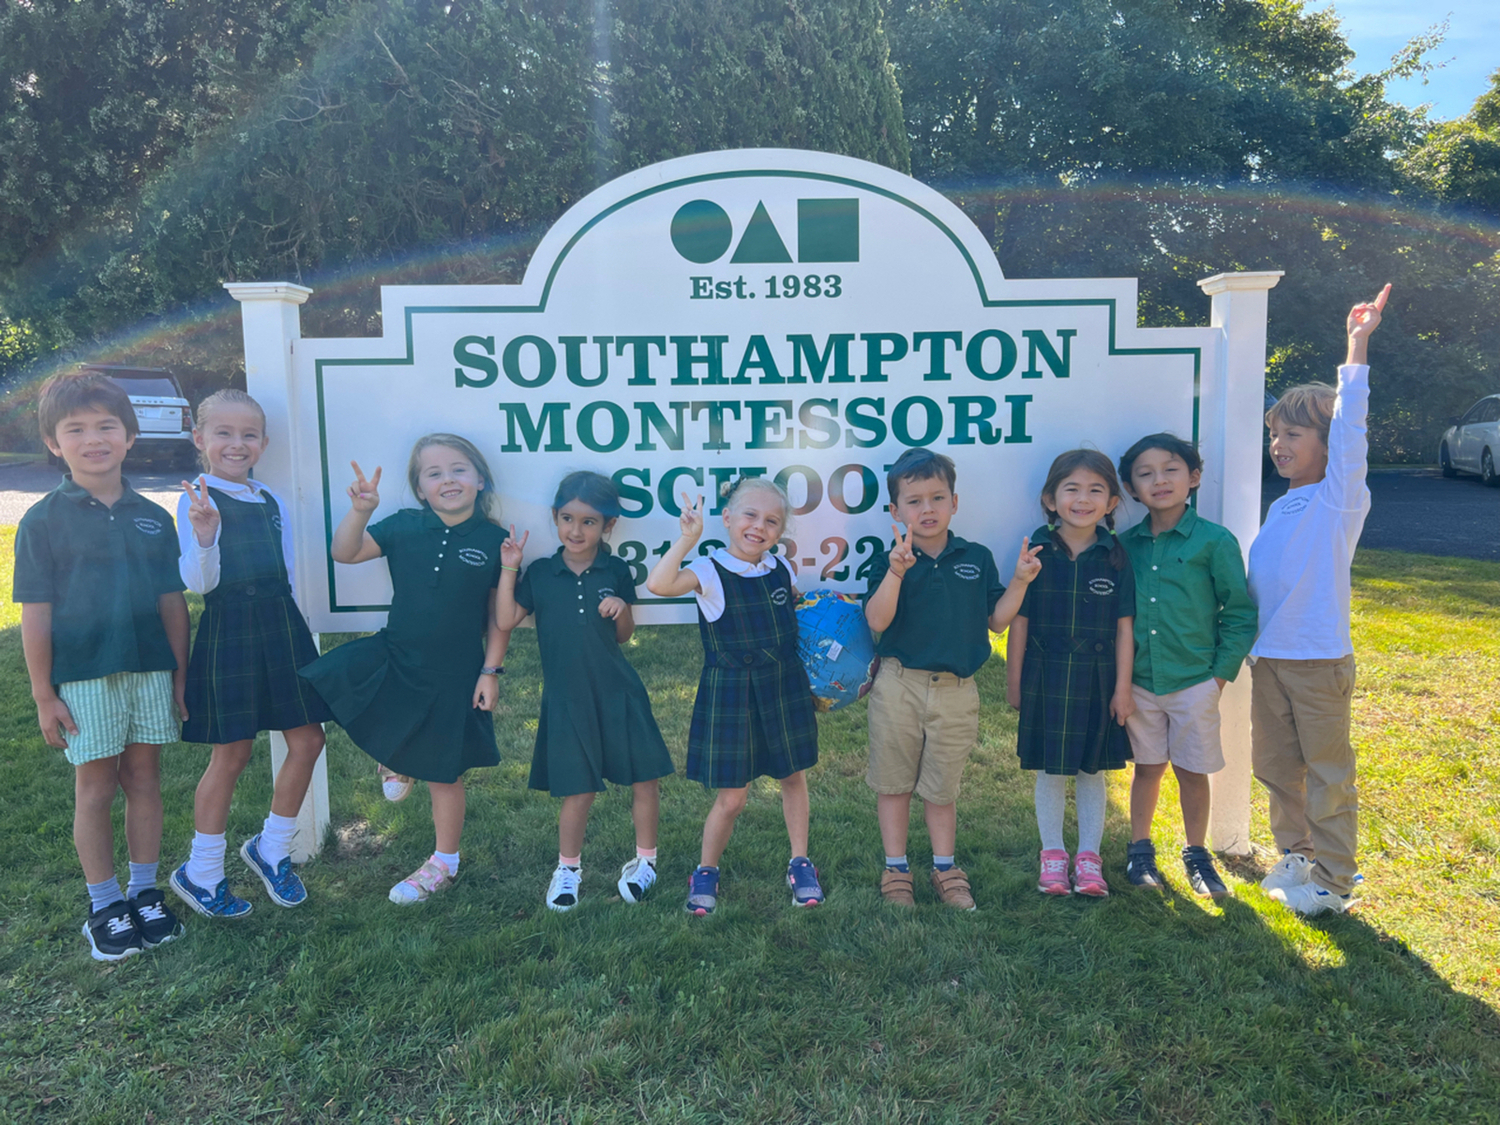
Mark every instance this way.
x=836 y=648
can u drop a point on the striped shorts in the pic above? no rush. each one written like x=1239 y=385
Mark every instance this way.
x=114 y=711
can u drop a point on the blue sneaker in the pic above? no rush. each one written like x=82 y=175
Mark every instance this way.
x=218 y=903
x=802 y=877
x=282 y=884
x=703 y=891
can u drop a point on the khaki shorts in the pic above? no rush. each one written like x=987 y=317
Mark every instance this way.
x=923 y=726
x=115 y=711
x=1181 y=727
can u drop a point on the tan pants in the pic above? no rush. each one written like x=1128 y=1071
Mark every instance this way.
x=1300 y=751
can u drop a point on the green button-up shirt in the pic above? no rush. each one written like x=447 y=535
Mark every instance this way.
x=1193 y=615
x=101 y=569
x=943 y=610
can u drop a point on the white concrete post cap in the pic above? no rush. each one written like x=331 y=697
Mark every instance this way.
x=268 y=291
x=1250 y=280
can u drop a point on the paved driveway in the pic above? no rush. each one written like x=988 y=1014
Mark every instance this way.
x=1413 y=510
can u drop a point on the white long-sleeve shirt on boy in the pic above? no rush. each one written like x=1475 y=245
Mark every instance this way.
x=199 y=565
x=1299 y=563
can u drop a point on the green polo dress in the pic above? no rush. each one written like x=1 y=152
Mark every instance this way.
x=405 y=694
x=596 y=723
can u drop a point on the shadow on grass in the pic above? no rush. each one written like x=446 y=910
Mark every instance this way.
x=484 y=1006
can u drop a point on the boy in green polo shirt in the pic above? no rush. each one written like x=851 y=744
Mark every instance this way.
x=105 y=630
x=934 y=601
x=1194 y=625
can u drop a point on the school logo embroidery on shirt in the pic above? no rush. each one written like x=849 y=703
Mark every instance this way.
x=1101 y=586
x=148 y=525
x=606 y=592
x=778 y=596
x=966 y=570
x=473 y=556
x=1295 y=505
x=276 y=521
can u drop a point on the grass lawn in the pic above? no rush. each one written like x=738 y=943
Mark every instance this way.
x=483 y=1006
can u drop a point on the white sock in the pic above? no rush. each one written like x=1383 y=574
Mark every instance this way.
x=1089 y=794
x=105 y=893
x=449 y=861
x=1051 y=795
x=205 y=866
x=276 y=838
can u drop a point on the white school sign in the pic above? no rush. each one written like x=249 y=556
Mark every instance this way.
x=783 y=313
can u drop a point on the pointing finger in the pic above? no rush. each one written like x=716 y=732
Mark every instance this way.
x=359 y=474
x=1381 y=297
x=375 y=480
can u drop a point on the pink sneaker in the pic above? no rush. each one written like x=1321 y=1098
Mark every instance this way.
x=1054 y=877
x=1088 y=875
x=427 y=880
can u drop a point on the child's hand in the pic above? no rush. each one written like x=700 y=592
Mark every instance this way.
x=611 y=607
x=1028 y=566
x=902 y=557
x=201 y=513
x=487 y=692
x=179 y=693
x=50 y=715
x=692 y=520
x=1364 y=318
x=513 y=550
x=363 y=493
x=1122 y=705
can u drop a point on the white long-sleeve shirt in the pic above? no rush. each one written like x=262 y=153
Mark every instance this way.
x=1299 y=563
x=710 y=592
x=199 y=565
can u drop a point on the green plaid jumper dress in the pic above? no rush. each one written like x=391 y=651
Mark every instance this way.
x=1072 y=609
x=242 y=676
x=754 y=713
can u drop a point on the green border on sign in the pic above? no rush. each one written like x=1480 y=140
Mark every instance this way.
x=985 y=301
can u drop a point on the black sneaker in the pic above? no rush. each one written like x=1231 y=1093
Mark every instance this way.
x=112 y=934
x=1202 y=873
x=1140 y=865
x=153 y=919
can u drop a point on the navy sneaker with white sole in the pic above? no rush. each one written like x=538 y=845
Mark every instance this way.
x=282 y=883
x=217 y=903
x=111 y=933
x=153 y=919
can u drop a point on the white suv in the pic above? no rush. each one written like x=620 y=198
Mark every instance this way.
x=164 y=416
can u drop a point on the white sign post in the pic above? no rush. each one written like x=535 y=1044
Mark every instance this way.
x=769 y=312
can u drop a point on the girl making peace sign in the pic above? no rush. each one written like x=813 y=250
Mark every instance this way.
x=417 y=695
x=754 y=713
x=236 y=544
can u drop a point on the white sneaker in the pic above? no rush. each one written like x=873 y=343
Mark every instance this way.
x=562 y=892
x=1294 y=870
x=1309 y=899
x=636 y=878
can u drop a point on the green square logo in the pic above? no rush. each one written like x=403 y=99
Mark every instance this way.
x=828 y=230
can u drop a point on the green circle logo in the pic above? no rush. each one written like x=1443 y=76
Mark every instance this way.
x=701 y=231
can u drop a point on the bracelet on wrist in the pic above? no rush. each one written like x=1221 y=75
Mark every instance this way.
x=516 y=569
x=492 y=670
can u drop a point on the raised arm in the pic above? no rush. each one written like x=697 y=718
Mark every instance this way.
x=197 y=538
x=1348 y=432
x=667 y=578
x=351 y=542
x=880 y=608
x=508 y=612
x=1028 y=566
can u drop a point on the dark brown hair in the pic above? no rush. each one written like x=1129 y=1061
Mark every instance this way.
x=72 y=391
x=920 y=464
x=1066 y=464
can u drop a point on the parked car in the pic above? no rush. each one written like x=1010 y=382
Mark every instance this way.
x=161 y=410
x=1472 y=443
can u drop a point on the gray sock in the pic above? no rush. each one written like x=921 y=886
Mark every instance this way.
x=1089 y=794
x=1051 y=793
x=142 y=878
x=104 y=894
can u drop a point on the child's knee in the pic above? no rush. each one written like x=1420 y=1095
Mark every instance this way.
x=305 y=741
x=732 y=801
x=140 y=771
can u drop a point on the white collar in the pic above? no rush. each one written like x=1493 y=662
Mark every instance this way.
x=250 y=487
x=739 y=566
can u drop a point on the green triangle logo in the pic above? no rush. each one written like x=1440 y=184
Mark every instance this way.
x=761 y=242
